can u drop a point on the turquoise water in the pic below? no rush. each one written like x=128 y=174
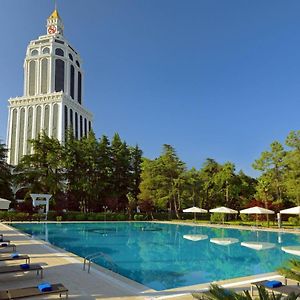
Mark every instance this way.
x=161 y=257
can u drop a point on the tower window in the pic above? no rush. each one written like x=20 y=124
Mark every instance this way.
x=79 y=95
x=71 y=118
x=32 y=72
x=59 y=52
x=71 y=56
x=58 y=41
x=72 y=79
x=80 y=127
x=46 y=50
x=77 y=63
x=66 y=119
x=76 y=125
x=59 y=75
x=44 y=76
x=34 y=52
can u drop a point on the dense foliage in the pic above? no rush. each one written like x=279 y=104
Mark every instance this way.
x=94 y=175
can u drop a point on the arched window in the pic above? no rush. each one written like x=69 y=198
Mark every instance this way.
x=55 y=121
x=38 y=121
x=71 y=56
x=79 y=93
x=32 y=72
x=66 y=119
x=59 y=52
x=46 y=119
x=59 y=75
x=46 y=50
x=77 y=63
x=81 y=127
x=34 y=52
x=85 y=127
x=71 y=118
x=76 y=125
x=29 y=129
x=21 y=133
x=44 y=76
x=72 y=81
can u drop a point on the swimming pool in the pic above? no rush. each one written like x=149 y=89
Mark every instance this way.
x=164 y=256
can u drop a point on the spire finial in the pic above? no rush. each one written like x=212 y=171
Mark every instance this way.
x=55 y=5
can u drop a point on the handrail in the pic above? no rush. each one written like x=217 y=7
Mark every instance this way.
x=89 y=259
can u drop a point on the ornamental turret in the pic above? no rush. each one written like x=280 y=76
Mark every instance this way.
x=55 y=24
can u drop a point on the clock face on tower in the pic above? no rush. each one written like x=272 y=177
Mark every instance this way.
x=51 y=29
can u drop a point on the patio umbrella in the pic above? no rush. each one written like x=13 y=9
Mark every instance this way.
x=256 y=210
x=4 y=204
x=223 y=210
x=291 y=211
x=195 y=210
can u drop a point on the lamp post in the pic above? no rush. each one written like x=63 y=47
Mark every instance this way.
x=105 y=208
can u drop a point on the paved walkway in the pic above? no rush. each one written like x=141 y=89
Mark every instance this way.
x=64 y=267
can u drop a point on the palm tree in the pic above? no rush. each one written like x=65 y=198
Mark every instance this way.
x=292 y=270
x=217 y=293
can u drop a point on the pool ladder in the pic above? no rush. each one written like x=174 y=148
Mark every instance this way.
x=89 y=259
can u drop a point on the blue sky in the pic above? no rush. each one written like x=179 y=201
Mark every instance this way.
x=213 y=78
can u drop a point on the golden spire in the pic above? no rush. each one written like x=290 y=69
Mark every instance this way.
x=54 y=15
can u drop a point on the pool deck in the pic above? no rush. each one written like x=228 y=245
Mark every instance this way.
x=64 y=267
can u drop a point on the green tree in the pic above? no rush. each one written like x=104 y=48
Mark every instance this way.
x=5 y=175
x=292 y=161
x=161 y=181
x=121 y=171
x=272 y=165
x=210 y=191
x=42 y=171
x=136 y=169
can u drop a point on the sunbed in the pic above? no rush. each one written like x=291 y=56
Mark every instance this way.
x=21 y=268
x=283 y=289
x=6 y=246
x=4 y=241
x=17 y=257
x=33 y=291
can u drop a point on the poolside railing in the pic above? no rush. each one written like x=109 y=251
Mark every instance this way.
x=91 y=257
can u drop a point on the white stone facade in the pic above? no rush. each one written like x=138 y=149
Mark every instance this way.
x=53 y=93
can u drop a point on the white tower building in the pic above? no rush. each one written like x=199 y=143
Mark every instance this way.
x=53 y=98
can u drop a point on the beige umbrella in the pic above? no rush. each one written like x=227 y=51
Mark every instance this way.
x=223 y=210
x=195 y=210
x=256 y=210
x=291 y=211
x=4 y=204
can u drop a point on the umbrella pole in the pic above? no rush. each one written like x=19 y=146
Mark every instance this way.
x=194 y=216
x=256 y=220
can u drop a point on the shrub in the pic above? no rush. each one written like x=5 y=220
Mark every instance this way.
x=245 y=217
x=59 y=218
x=294 y=220
x=216 y=218
x=37 y=217
x=139 y=217
x=81 y=217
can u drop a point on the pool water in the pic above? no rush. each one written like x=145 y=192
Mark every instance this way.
x=164 y=256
